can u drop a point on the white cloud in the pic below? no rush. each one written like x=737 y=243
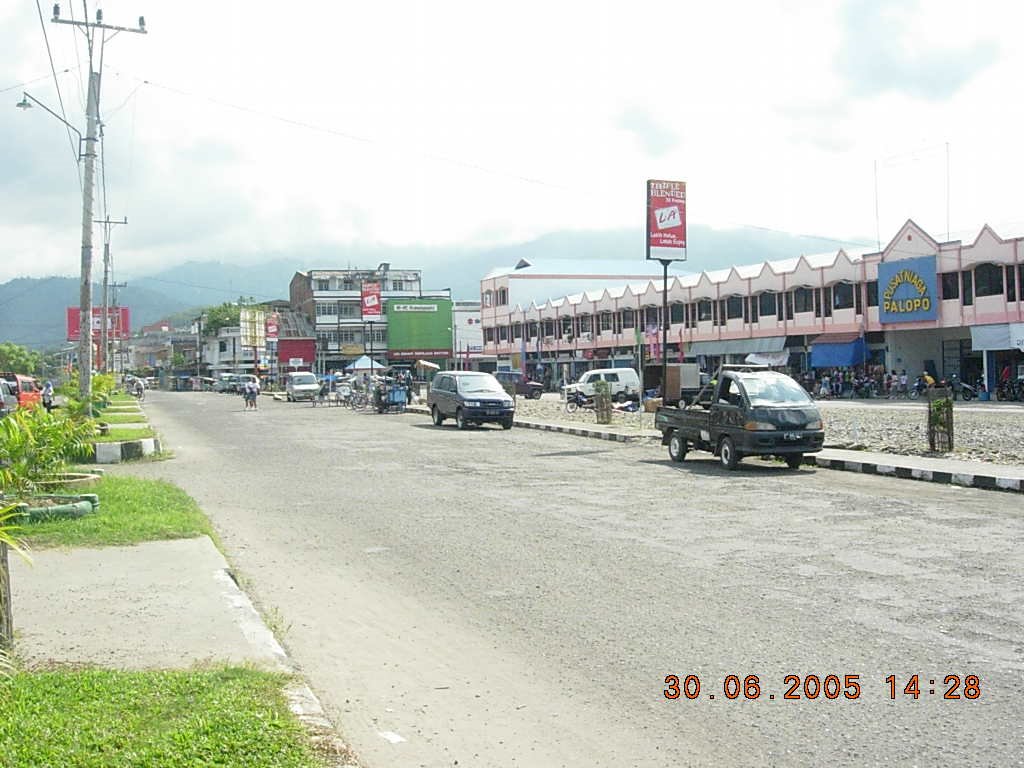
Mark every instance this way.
x=459 y=123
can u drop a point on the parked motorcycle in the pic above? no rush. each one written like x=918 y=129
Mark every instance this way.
x=574 y=400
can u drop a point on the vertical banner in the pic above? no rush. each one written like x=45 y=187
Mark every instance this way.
x=666 y=220
x=370 y=300
x=273 y=323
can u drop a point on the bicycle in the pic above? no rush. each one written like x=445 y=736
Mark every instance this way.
x=140 y=393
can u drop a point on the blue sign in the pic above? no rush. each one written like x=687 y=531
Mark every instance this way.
x=907 y=290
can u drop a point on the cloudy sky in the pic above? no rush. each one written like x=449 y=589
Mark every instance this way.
x=243 y=131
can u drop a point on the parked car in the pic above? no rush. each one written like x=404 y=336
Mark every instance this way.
x=225 y=383
x=301 y=385
x=25 y=388
x=470 y=397
x=623 y=383
x=8 y=400
x=524 y=386
x=242 y=379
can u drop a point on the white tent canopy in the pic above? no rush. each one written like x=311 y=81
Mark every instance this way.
x=426 y=364
x=364 y=363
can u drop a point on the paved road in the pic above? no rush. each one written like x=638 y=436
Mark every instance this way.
x=517 y=598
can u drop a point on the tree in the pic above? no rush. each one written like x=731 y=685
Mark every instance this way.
x=227 y=315
x=19 y=359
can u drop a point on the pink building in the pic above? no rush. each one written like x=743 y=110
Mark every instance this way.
x=919 y=303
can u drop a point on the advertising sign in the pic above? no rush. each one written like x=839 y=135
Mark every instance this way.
x=118 y=323
x=666 y=220
x=419 y=328
x=370 y=295
x=273 y=323
x=907 y=290
x=253 y=327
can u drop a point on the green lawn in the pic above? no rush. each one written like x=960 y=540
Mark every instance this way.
x=227 y=716
x=122 y=418
x=121 y=397
x=131 y=510
x=115 y=435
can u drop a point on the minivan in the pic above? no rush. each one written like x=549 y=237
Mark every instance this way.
x=623 y=383
x=471 y=397
x=301 y=385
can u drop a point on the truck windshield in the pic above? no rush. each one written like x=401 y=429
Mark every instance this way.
x=773 y=389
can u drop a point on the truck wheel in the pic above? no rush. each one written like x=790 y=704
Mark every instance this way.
x=794 y=460
x=676 y=446
x=435 y=414
x=727 y=453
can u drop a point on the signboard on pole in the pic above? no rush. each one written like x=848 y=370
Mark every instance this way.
x=666 y=220
x=273 y=322
x=419 y=328
x=253 y=328
x=118 y=323
x=370 y=300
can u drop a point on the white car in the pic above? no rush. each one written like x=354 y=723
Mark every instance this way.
x=301 y=385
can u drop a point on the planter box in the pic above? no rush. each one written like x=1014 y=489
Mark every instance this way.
x=67 y=507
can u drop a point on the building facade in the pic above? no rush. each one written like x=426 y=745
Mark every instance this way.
x=331 y=301
x=919 y=303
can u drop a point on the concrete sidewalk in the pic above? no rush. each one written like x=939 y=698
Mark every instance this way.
x=972 y=474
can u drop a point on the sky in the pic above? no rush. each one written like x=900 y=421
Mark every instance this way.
x=247 y=131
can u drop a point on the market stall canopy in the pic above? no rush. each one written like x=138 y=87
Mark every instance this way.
x=428 y=364
x=364 y=363
x=838 y=350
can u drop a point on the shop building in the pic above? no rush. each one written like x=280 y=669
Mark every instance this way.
x=918 y=304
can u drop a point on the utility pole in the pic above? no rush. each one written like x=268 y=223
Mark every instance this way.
x=92 y=123
x=105 y=323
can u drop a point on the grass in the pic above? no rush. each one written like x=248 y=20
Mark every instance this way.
x=121 y=397
x=131 y=510
x=123 y=418
x=115 y=435
x=227 y=716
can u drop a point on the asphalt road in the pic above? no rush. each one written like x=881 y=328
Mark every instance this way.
x=491 y=598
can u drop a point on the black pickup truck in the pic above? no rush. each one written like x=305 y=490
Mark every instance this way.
x=745 y=410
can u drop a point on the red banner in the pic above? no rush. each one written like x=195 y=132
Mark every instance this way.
x=273 y=320
x=371 y=301
x=666 y=220
x=118 y=323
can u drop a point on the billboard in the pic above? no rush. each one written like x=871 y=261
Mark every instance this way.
x=118 y=323
x=907 y=290
x=666 y=220
x=370 y=301
x=253 y=327
x=273 y=323
x=419 y=328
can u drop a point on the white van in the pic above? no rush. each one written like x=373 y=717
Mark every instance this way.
x=623 y=383
x=301 y=385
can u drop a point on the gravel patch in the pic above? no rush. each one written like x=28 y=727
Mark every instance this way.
x=992 y=435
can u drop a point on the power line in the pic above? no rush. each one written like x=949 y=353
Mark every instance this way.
x=18 y=86
x=60 y=99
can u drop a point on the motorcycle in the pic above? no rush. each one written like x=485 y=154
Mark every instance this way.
x=574 y=400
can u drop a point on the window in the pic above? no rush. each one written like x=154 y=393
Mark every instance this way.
x=703 y=310
x=842 y=296
x=222 y=347
x=754 y=302
x=397 y=285
x=627 y=318
x=502 y=333
x=349 y=310
x=567 y=326
x=1011 y=286
x=489 y=335
x=349 y=336
x=817 y=302
x=517 y=330
x=766 y=303
x=585 y=324
x=549 y=328
x=966 y=279
x=734 y=307
x=988 y=280
x=691 y=315
x=531 y=329
x=326 y=308
x=651 y=317
x=605 y=321
x=323 y=285
x=950 y=285
x=858 y=300
x=789 y=305
x=502 y=297
x=826 y=300
x=347 y=285
x=872 y=293
x=721 y=311
x=675 y=313
x=803 y=300
x=488 y=298
x=746 y=310
x=617 y=322
x=611 y=377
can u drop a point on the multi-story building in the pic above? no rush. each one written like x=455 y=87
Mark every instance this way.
x=917 y=304
x=225 y=353
x=468 y=338
x=331 y=300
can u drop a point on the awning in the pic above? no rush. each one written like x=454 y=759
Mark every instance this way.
x=838 y=350
x=737 y=346
x=768 y=358
x=428 y=364
x=995 y=338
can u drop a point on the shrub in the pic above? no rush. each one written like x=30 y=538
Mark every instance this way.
x=35 y=445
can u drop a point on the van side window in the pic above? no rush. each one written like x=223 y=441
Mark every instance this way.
x=611 y=377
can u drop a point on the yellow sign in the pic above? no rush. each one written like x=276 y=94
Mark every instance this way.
x=351 y=349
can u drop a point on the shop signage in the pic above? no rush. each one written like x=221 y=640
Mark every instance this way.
x=413 y=307
x=907 y=290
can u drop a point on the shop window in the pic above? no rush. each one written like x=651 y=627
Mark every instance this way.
x=1011 y=286
x=802 y=300
x=676 y=313
x=842 y=296
x=766 y=303
x=703 y=310
x=967 y=283
x=872 y=293
x=950 y=285
x=734 y=307
x=988 y=280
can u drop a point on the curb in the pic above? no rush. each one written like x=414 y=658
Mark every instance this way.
x=584 y=432
x=984 y=482
x=114 y=453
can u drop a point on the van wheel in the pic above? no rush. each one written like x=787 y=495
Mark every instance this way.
x=794 y=460
x=676 y=447
x=460 y=422
x=727 y=454
x=435 y=414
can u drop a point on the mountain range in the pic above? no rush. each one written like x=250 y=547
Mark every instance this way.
x=32 y=310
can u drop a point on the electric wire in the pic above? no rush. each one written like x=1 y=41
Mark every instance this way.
x=60 y=99
x=34 y=79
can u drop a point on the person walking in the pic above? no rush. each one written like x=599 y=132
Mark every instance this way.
x=251 y=392
x=47 y=396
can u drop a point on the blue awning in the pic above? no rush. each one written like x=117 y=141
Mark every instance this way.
x=838 y=351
